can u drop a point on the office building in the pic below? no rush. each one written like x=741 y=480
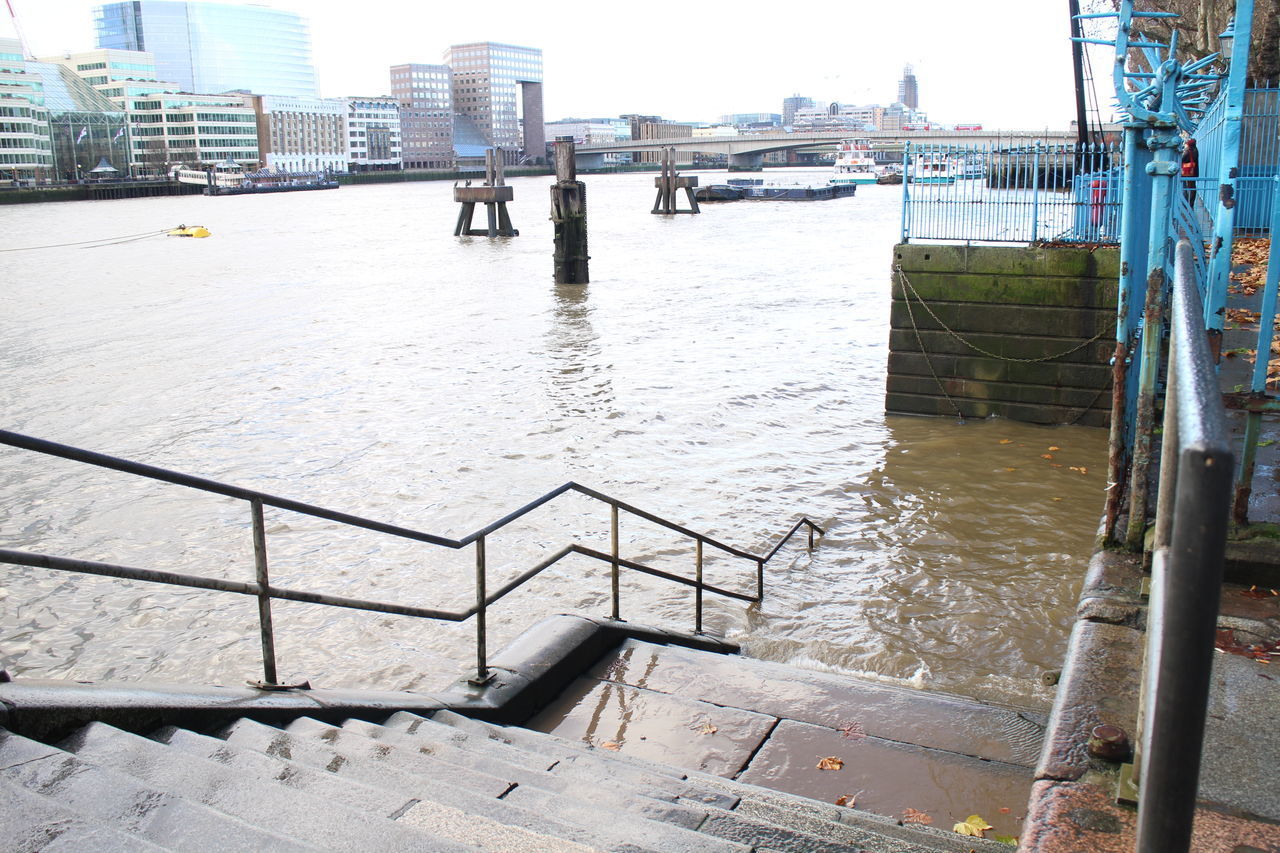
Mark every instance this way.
x=297 y=134
x=373 y=134
x=908 y=89
x=792 y=104
x=425 y=95
x=26 y=147
x=181 y=129
x=211 y=48
x=167 y=127
x=498 y=88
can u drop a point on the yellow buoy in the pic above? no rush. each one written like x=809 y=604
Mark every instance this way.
x=189 y=231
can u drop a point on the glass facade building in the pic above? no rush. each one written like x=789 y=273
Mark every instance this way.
x=498 y=87
x=211 y=48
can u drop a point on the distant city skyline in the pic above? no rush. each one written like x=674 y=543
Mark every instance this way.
x=1002 y=63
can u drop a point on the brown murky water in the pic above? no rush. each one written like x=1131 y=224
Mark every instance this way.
x=342 y=348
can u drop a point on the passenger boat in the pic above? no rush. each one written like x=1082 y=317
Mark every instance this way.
x=227 y=178
x=855 y=164
x=932 y=168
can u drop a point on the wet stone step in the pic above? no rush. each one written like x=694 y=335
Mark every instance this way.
x=430 y=782
x=293 y=814
x=567 y=767
x=950 y=723
x=552 y=777
x=554 y=747
x=673 y=730
x=860 y=829
x=103 y=792
x=888 y=778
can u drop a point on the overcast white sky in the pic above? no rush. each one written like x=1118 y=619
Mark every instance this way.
x=1004 y=63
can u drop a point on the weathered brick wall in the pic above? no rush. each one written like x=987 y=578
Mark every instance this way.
x=1017 y=304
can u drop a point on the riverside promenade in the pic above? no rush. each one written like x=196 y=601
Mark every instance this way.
x=1079 y=801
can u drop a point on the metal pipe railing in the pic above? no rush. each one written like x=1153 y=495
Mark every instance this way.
x=265 y=592
x=1191 y=533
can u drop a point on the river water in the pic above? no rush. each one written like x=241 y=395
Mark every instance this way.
x=724 y=370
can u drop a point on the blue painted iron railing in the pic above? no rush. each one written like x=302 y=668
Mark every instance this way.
x=1006 y=194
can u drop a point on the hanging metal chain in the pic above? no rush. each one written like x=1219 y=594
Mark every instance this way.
x=906 y=284
x=920 y=341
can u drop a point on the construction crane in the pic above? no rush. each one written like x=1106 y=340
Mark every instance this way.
x=17 y=26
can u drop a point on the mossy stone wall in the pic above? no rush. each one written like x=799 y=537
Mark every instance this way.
x=972 y=323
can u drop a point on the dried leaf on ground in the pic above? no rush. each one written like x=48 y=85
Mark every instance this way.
x=1054 y=447
x=854 y=731
x=707 y=729
x=1264 y=652
x=973 y=825
x=1006 y=441
x=916 y=816
x=1046 y=455
x=847 y=800
x=611 y=745
x=830 y=763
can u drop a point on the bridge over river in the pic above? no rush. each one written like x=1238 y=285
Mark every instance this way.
x=747 y=152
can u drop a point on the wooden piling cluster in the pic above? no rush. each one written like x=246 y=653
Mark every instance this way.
x=668 y=182
x=494 y=195
x=569 y=214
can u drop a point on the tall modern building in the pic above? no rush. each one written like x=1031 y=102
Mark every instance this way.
x=793 y=104
x=208 y=47
x=489 y=80
x=425 y=94
x=908 y=90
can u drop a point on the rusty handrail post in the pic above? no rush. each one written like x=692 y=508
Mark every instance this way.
x=810 y=525
x=264 y=593
x=613 y=569
x=482 y=665
x=759 y=579
x=697 y=590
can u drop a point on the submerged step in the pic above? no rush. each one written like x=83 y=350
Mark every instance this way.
x=890 y=751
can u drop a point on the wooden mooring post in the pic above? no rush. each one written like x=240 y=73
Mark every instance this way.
x=569 y=213
x=668 y=182
x=494 y=195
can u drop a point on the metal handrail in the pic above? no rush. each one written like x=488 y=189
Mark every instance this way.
x=264 y=591
x=1186 y=573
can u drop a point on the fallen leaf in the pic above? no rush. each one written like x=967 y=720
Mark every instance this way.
x=1011 y=840
x=1054 y=447
x=854 y=731
x=847 y=800
x=707 y=729
x=1046 y=455
x=1011 y=469
x=1079 y=469
x=973 y=825
x=830 y=763
x=916 y=816
x=1006 y=441
x=611 y=745
x=1005 y=810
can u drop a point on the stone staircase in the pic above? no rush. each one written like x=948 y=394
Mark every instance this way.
x=442 y=783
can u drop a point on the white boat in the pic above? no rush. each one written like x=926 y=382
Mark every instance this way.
x=855 y=164
x=933 y=168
